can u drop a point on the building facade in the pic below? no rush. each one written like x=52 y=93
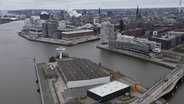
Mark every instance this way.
x=76 y=34
x=108 y=91
x=50 y=30
x=106 y=32
x=168 y=40
x=130 y=43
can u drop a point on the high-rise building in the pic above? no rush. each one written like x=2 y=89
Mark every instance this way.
x=109 y=13
x=121 y=25
x=50 y=29
x=107 y=32
x=61 y=15
x=45 y=30
x=99 y=11
x=84 y=12
x=99 y=14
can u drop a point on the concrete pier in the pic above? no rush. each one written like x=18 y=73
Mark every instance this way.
x=45 y=91
x=59 y=41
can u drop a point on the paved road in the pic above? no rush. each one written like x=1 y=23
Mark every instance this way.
x=163 y=86
x=47 y=96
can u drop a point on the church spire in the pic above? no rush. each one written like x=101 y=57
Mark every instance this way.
x=137 y=12
x=138 y=15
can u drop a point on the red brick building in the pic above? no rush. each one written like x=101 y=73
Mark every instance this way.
x=77 y=34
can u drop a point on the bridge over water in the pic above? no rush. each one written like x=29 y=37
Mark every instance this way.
x=162 y=87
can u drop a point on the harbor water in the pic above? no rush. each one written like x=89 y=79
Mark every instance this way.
x=17 y=74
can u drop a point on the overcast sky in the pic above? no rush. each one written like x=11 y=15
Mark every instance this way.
x=84 y=4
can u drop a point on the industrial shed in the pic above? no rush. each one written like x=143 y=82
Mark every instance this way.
x=108 y=91
x=78 y=72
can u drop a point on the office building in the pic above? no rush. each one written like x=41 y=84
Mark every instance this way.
x=50 y=29
x=139 y=45
x=168 y=40
x=121 y=25
x=107 y=32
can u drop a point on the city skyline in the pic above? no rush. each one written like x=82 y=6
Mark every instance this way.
x=84 y=4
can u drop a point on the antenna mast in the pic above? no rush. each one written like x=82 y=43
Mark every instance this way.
x=179 y=7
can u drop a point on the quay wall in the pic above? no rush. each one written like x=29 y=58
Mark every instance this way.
x=58 y=42
x=137 y=55
x=39 y=83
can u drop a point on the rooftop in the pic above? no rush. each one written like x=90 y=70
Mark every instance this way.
x=50 y=69
x=80 y=69
x=108 y=88
x=44 y=12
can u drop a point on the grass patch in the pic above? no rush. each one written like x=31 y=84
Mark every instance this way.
x=179 y=49
x=117 y=75
x=77 y=102
x=114 y=74
x=82 y=98
x=127 y=98
x=107 y=102
x=139 y=91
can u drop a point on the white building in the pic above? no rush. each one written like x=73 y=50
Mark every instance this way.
x=108 y=91
x=106 y=32
x=62 y=24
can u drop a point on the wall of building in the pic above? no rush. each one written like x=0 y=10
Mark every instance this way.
x=106 y=32
x=76 y=35
x=36 y=32
x=94 y=96
x=168 y=40
x=116 y=94
x=134 y=32
x=142 y=48
x=45 y=28
x=108 y=97
x=165 y=44
x=50 y=30
x=62 y=24
x=80 y=83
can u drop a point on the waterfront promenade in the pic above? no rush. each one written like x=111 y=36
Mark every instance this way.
x=45 y=91
x=59 y=41
x=139 y=56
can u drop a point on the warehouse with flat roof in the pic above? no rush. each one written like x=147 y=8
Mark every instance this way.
x=108 y=91
x=78 y=72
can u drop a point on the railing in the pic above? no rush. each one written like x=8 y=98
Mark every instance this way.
x=152 y=94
